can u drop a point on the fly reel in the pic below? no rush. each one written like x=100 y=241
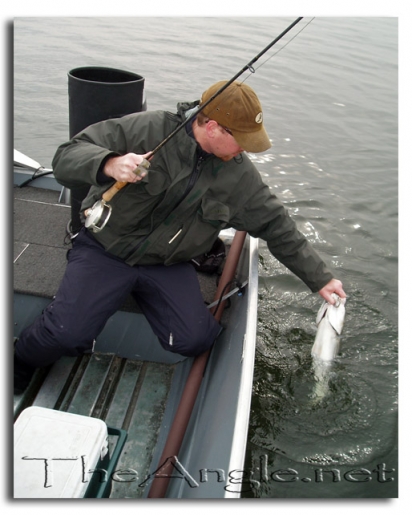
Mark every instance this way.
x=98 y=216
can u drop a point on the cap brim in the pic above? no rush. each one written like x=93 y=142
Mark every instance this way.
x=257 y=141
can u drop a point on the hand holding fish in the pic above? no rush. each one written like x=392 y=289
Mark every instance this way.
x=333 y=286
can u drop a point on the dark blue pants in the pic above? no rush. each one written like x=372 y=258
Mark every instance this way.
x=94 y=287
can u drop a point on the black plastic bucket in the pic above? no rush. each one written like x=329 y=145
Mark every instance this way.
x=96 y=94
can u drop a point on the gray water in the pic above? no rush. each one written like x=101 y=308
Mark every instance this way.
x=331 y=109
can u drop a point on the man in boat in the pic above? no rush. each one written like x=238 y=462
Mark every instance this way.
x=199 y=183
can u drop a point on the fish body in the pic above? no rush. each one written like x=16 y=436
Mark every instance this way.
x=330 y=320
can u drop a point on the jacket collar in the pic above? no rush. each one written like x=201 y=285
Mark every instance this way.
x=185 y=110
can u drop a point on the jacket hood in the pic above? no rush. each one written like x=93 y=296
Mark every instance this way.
x=182 y=107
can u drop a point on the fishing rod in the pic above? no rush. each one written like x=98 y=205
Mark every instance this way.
x=98 y=215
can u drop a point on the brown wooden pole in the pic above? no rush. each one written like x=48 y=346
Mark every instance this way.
x=194 y=380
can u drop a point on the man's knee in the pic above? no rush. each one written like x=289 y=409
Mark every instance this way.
x=192 y=344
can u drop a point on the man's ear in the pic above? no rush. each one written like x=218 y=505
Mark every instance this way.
x=211 y=128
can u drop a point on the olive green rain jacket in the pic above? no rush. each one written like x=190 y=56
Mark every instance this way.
x=176 y=212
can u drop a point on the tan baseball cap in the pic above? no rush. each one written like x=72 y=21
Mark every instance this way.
x=238 y=109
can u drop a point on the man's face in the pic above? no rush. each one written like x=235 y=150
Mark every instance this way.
x=222 y=143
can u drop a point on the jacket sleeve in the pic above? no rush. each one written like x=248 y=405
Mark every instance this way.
x=265 y=217
x=79 y=161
